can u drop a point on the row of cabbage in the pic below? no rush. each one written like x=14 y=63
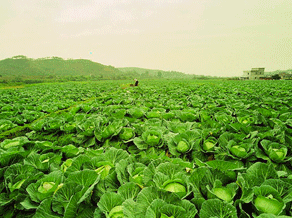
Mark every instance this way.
x=127 y=129
x=22 y=106
x=178 y=149
x=43 y=180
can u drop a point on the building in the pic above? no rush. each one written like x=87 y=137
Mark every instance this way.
x=285 y=75
x=253 y=74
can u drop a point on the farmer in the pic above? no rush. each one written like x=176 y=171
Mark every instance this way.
x=136 y=83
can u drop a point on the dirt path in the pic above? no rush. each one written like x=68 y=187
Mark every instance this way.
x=12 y=87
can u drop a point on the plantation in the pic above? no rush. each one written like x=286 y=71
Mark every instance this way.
x=165 y=149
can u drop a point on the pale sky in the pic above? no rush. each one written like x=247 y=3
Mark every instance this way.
x=209 y=37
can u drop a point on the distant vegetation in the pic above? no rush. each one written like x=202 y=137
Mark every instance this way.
x=144 y=73
x=277 y=72
x=55 y=69
x=155 y=73
x=21 y=69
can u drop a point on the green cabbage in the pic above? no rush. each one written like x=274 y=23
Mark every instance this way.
x=152 y=140
x=276 y=152
x=182 y=147
x=126 y=134
x=238 y=151
x=137 y=179
x=66 y=164
x=268 y=204
x=208 y=146
x=223 y=193
x=277 y=155
x=108 y=131
x=103 y=171
x=175 y=187
x=209 y=143
x=46 y=187
x=116 y=212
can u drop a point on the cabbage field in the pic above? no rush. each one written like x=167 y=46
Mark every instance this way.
x=165 y=149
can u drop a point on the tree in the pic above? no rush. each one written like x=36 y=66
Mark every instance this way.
x=159 y=74
x=17 y=79
x=276 y=77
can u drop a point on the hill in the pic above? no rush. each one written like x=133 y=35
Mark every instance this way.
x=21 y=66
x=156 y=73
x=55 y=69
x=143 y=72
x=23 y=69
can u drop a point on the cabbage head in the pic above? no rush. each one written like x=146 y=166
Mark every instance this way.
x=181 y=143
x=176 y=187
x=239 y=150
x=276 y=152
x=126 y=134
x=268 y=204
x=268 y=200
x=116 y=212
x=172 y=178
x=182 y=146
x=209 y=144
x=150 y=137
x=225 y=193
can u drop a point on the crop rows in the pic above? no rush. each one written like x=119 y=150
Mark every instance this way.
x=163 y=149
x=22 y=106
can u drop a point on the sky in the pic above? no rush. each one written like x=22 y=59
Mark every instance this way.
x=202 y=37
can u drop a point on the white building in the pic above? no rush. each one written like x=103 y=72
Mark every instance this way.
x=253 y=74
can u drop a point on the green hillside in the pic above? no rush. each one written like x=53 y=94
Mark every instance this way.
x=54 y=66
x=55 y=69
x=143 y=72
x=155 y=73
x=21 y=69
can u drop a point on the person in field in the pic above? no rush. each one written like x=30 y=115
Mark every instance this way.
x=136 y=83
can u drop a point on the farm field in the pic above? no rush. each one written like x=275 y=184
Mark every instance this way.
x=165 y=149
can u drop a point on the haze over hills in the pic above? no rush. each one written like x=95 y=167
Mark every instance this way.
x=53 y=66
x=156 y=73
x=55 y=69
x=21 y=68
